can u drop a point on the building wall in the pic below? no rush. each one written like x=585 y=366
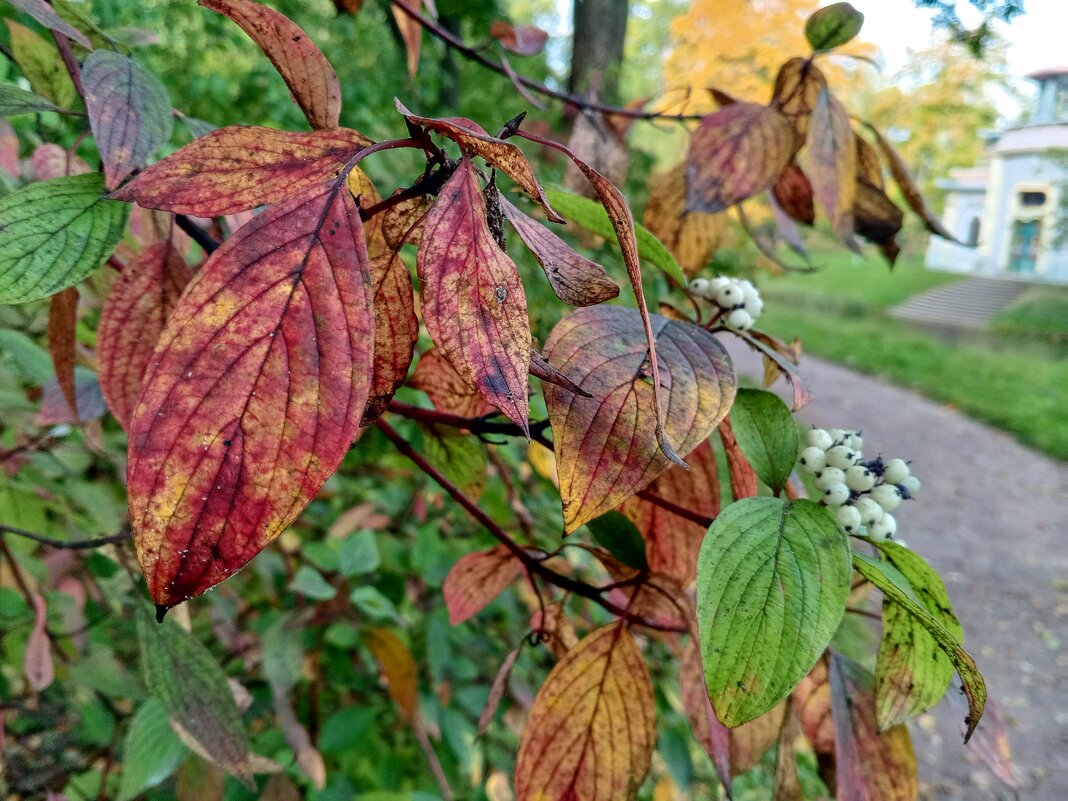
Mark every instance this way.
x=962 y=207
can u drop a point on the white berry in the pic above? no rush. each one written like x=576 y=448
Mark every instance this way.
x=729 y=296
x=895 y=471
x=836 y=494
x=818 y=438
x=700 y=286
x=841 y=456
x=856 y=442
x=837 y=434
x=887 y=496
x=884 y=529
x=859 y=478
x=739 y=320
x=870 y=512
x=755 y=307
x=828 y=476
x=812 y=460
x=848 y=518
x=911 y=483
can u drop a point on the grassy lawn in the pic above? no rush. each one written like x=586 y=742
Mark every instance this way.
x=839 y=313
x=1039 y=312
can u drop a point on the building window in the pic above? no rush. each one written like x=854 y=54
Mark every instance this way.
x=1032 y=199
x=973 y=233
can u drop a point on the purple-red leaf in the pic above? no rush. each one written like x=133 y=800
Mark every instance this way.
x=137 y=307
x=744 y=482
x=673 y=542
x=41 y=11
x=62 y=342
x=476 y=579
x=606 y=445
x=301 y=64
x=793 y=192
x=240 y=167
x=590 y=732
x=574 y=278
x=254 y=393
x=474 y=141
x=37 y=663
x=473 y=302
x=446 y=388
x=735 y=153
x=714 y=737
x=523 y=40
x=832 y=156
x=129 y=111
x=51 y=161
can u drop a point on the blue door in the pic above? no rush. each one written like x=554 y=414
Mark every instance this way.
x=1025 y=240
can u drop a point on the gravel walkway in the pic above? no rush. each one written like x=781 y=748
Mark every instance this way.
x=992 y=518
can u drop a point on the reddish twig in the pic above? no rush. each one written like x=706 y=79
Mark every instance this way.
x=475 y=55
x=530 y=562
x=689 y=514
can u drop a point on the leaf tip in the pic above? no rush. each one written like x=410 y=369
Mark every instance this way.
x=668 y=449
x=161 y=611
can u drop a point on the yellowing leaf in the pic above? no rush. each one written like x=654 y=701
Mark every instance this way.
x=606 y=445
x=590 y=733
x=240 y=167
x=797 y=90
x=396 y=331
x=397 y=666
x=301 y=64
x=691 y=236
x=474 y=306
x=254 y=394
x=735 y=153
x=832 y=156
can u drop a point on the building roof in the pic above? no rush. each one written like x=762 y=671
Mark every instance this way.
x=1049 y=72
x=965 y=179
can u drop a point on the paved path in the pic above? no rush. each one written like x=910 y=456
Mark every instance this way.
x=992 y=518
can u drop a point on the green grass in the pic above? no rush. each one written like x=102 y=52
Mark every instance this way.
x=839 y=314
x=1039 y=313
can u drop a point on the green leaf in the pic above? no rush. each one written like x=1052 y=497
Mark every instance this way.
x=283 y=654
x=152 y=751
x=618 y=535
x=42 y=65
x=772 y=582
x=833 y=26
x=767 y=434
x=19 y=101
x=590 y=214
x=54 y=233
x=459 y=456
x=359 y=554
x=187 y=681
x=310 y=583
x=887 y=579
x=374 y=604
x=912 y=672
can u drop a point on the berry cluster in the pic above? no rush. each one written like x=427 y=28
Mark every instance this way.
x=738 y=300
x=862 y=493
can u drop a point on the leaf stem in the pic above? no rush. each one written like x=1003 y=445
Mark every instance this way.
x=531 y=563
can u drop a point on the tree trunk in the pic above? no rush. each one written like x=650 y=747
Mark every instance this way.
x=597 y=47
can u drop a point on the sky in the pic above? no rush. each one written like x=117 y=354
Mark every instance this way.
x=1038 y=39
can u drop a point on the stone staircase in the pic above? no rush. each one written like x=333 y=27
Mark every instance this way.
x=970 y=303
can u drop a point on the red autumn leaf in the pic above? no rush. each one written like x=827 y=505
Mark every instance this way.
x=51 y=161
x=410 y=30
x=744 y=483
x=473 y=302
x=396 y=332
x=714 y=737
x=474 y=141
x=137 y=307
x=786 y=358
x=254 y=393
x=672 y=542
x=62 y=342
x=496 y=693
x=574 y=278
x=55 y=409
x=476 y=579
x=870 y=766
x=301 y=64
x=812 y=703
x=240 y=167
x=523 y=40
x=37 y=663
x=832 y=164
x=793 y=192
x=990 y=741
x=652 y=596
x=735 y=153
x=397 y=667
x=590 y=732
x=750 y=741
x=366 y=196
x=908 y=186
x=606 y=445
x=129 y=111
x=446 y=388
x=796 y=93
x=43 y=12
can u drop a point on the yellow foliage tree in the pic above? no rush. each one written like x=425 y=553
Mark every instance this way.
x=738 y=45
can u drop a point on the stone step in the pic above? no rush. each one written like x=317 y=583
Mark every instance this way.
x=970 y=303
